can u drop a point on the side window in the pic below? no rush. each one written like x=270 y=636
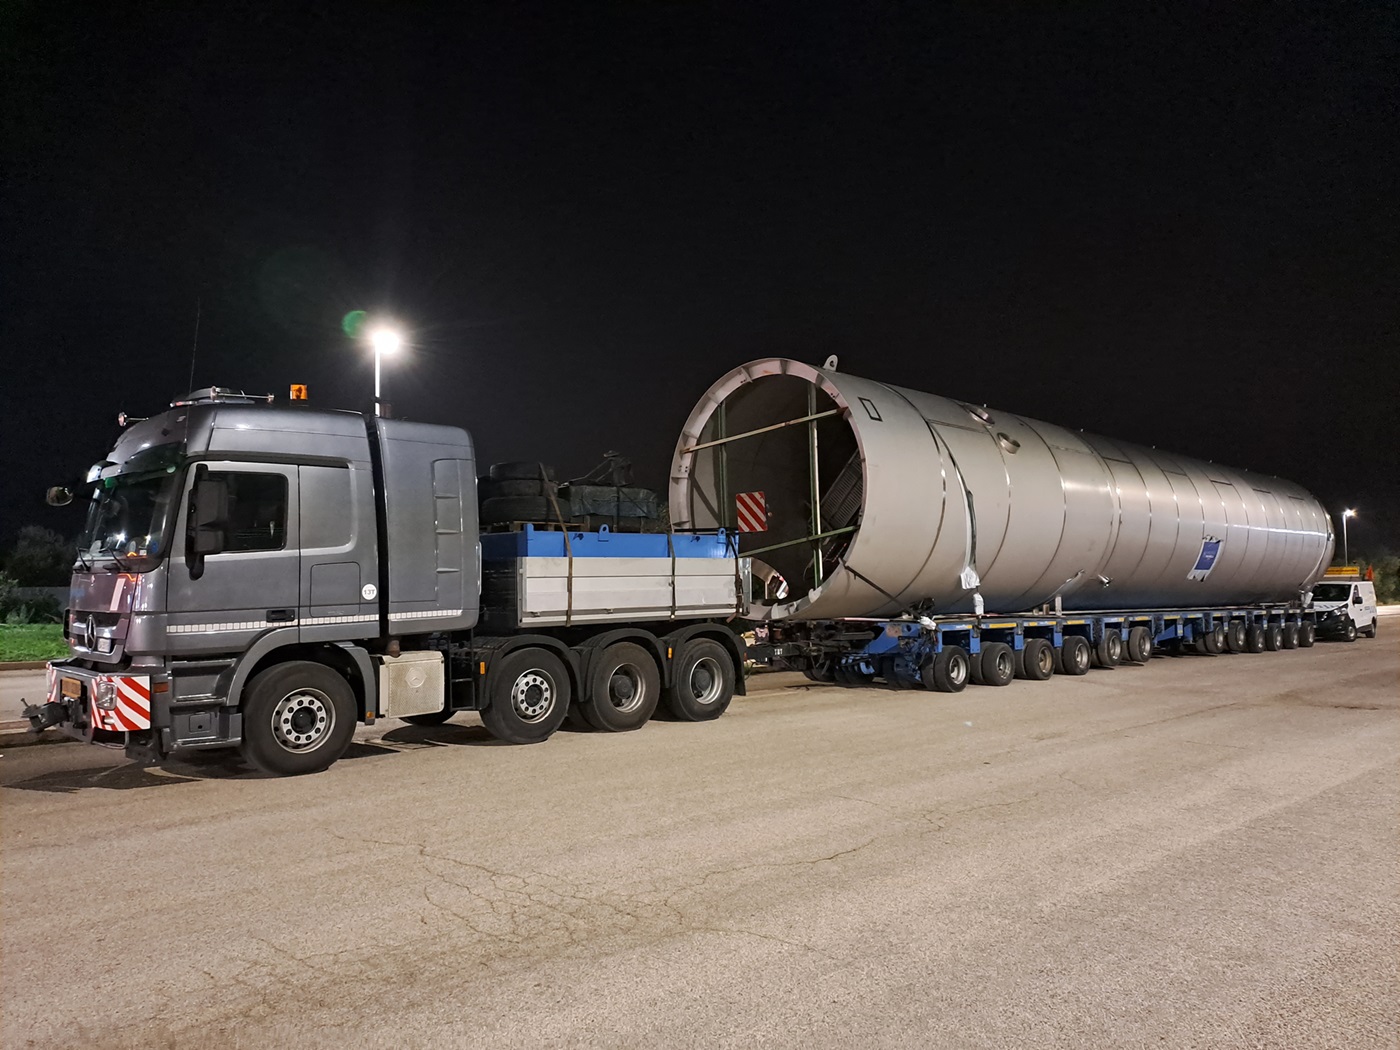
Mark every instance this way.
x=257 y=511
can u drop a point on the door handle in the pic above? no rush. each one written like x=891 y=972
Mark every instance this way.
x=281 y=615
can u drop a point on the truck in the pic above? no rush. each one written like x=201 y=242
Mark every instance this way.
x=266 y=577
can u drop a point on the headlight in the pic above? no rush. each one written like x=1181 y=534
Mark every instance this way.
x=104 y=693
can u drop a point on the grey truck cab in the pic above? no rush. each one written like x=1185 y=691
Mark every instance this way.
x=268 y=577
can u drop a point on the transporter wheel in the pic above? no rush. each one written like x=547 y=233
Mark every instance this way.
x=998 y=664
x=1350 y=633
x=516 y=508
x=623 y=689
x=520 y=471
x=1290 y=636
x=1235 y=637
x=822 y=670
x=528 y=692
x=437 y=718
x=948 y=671
x=1037 y=661
x=1273 y=637
x=1139 y=649
x=1373 y=629
x=890 y=673
x=1074 y=656
x=1109 y=650
x=298 y=717
x=1215 y=639
x=702 y=682
x=1254 y=639
x=1307 y=635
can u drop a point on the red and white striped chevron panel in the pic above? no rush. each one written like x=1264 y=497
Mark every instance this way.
x=133 y=704
x=752 y=512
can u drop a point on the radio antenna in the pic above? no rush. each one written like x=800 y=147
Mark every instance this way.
x=198 y=304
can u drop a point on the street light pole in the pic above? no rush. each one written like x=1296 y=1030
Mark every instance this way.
x=384 y=341
x=1346 y=550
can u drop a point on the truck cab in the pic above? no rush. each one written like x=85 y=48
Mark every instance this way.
x=1345 y=604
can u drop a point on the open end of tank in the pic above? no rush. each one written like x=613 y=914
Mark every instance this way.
x=784 y=437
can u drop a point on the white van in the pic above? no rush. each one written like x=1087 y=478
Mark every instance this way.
x=1345 y=607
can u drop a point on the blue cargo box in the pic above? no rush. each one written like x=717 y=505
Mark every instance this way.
x=532 y=543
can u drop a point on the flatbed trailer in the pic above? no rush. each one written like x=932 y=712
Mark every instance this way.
x=944 y=653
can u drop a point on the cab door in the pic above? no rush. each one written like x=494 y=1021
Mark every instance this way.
x=220 y=602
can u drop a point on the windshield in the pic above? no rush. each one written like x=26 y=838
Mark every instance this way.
x=1331 y=592
x=129 y=520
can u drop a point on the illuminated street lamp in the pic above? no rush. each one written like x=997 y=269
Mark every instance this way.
x=1346 y=551
x=383 y=341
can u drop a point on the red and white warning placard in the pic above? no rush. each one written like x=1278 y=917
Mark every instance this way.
x=752 y=512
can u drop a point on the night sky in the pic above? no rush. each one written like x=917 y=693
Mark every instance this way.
x=1179 y=226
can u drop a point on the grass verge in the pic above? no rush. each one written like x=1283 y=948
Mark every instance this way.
x=34 y=641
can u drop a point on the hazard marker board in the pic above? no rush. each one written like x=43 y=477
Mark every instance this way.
x=751 y=512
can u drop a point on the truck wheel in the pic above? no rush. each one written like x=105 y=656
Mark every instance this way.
x=1273 y=637
x=622 y=690
x=528 y=696
x=1215 y=639
x=1371 y=631
x=1307 y=635
x=1235 y=637
x=520 y=471
x=1254 y=639
x=1139 y=649
x=1037 y=661
x=437 y=718
x=1290 y=636
x=298 y=717
x=493 y=489
x=1109 y=650
x=998 y=664
x=1073 y=656
x=702 y=682
x=516 y=508
x=1350 y=633
x=948 y=671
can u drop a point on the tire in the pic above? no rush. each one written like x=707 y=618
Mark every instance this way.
x=702 y=682
x=1290 y=636
x=822 y=671
x=1109 y=650
x=1139 y=647
x=1371 y=631
x=1215 y=639
x=998 y=664
x=948 y=671
x=1073 y=657
x=1350 y=633
x=1235 y=637
x=1307 y=635
x=1254 y=639
x=517 y=508
x=1037 y=661
x=623 y=689
x=437 y=718
x=890 y=674
x=974 y=667
x=1273 y=637
x=496 y=489
x=527 y=696
x=298 y=718
x=520 y=470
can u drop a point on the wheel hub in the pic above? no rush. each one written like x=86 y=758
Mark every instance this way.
x=302 y=720
x=705 y=681
x=532 y=696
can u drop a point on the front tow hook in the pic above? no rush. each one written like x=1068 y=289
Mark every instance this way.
x=41 y=716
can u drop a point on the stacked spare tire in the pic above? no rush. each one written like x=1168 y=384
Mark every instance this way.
x=516 y=493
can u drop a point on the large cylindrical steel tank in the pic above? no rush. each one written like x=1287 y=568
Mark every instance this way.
x=875 y=499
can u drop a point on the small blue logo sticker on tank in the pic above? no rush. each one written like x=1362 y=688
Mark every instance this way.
x=1205 y=561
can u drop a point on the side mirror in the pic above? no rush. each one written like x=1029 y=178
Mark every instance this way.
x=204 y=531
x=58 y=496
x=1356 y=600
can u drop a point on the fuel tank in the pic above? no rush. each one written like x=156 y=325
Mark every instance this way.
x=860 y=499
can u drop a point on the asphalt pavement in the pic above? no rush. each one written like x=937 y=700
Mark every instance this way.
x=1200 y=852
